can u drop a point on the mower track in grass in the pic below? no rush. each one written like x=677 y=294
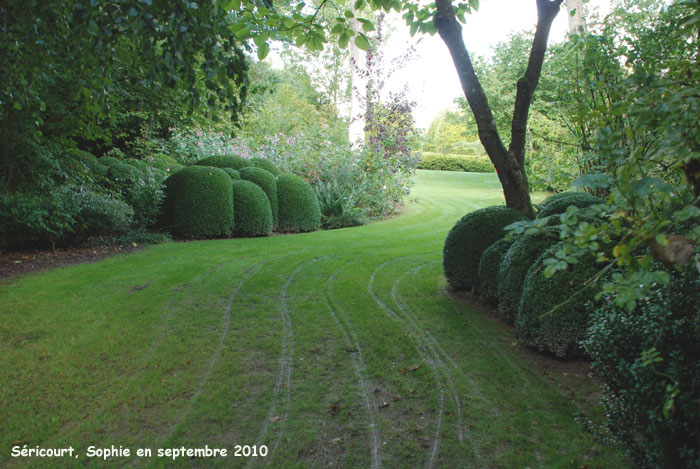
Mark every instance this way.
x=358 y=363
x=330 y=349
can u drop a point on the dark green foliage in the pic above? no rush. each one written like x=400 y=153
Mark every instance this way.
x=298 y=206
x=649 y=359
x=336 y=202
x=488 y=268
x=473 y=164
x=558 y=203
x=252 y=210
x=224 y=161
x=558 y=331
x=61 y=216
x=516 y=262
x=137 y=184
x=268 y=183
x=235 y=175
x=266 y=165
x=198 y=203
x=469 y=238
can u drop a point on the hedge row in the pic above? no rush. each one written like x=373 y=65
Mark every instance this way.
x=219 y=196
x=550 y=314
x=473 y=164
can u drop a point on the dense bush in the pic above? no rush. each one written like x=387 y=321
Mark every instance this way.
x=488 y=268
x=474 y=164
x=235 y=175
x=137 y=184
x=298 y=205
x=251 y=210
x=198 y=203
x=265 y=164
x=164 y=162
x=224 y=161
x=558 y=203
x=561 y=330
x=650 y=361
x=516 y=262
x=61 y=216
x=469 y=238
x=336 y=203
x=268 y=183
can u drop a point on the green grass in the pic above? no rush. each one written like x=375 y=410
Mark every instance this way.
x=330 y=348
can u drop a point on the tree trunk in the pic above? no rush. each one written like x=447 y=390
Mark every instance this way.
x=510 y=162
x=577 y=17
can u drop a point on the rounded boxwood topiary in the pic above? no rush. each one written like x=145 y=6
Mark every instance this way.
x=224 y=161
x=298 y=206
x=251 y=209
x=559 y=331
x=521 y=255
x=558 y=203
x=198 y=203
x=266 y=165
x=488 y=268
x=267 y=182
x=235 y=175
x=469 y=238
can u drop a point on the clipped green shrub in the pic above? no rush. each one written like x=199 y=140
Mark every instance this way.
x=251 y=209
x=224 y=161
x=488 y=268
x=298 y=206
x=649 y=359
x=198 y=203
x=266 y=165
x=469 y=238
x=235 y=175
x=558 y=203
x=516 y=262
x=558 y=331
x=441 y=162
x=268 y=183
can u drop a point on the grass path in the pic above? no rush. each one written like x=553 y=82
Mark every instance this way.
x=333 y=348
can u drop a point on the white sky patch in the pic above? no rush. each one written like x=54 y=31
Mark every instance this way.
x=432 y=78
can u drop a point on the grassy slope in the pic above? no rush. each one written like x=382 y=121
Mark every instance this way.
x=330 y=348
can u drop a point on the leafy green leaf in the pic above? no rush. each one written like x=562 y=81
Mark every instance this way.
x=362 y=42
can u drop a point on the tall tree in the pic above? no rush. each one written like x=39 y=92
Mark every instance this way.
x=577 y=16
x=510 y=161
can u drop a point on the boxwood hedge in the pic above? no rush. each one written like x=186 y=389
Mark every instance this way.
x=224 y=161
x=298 y=206
x=488 y=268
x=235 y=175
x=252 y=210
x=558 y=203
x=469 y=238
x=515 y=263
x=198 y=203
x=559 y=331
x=268 y=183
x=266 y=165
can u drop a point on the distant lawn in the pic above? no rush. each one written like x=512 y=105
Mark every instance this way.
x=330 y=348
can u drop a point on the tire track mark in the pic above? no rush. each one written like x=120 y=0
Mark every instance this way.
x=226 y=320
x=358 y=362
x=284 y=373
x=419 y=345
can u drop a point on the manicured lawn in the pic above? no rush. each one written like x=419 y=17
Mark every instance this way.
x=334 y=348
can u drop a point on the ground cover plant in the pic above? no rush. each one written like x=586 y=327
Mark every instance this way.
x=334 y=348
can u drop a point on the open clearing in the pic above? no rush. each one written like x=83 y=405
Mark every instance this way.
x=336 y=348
